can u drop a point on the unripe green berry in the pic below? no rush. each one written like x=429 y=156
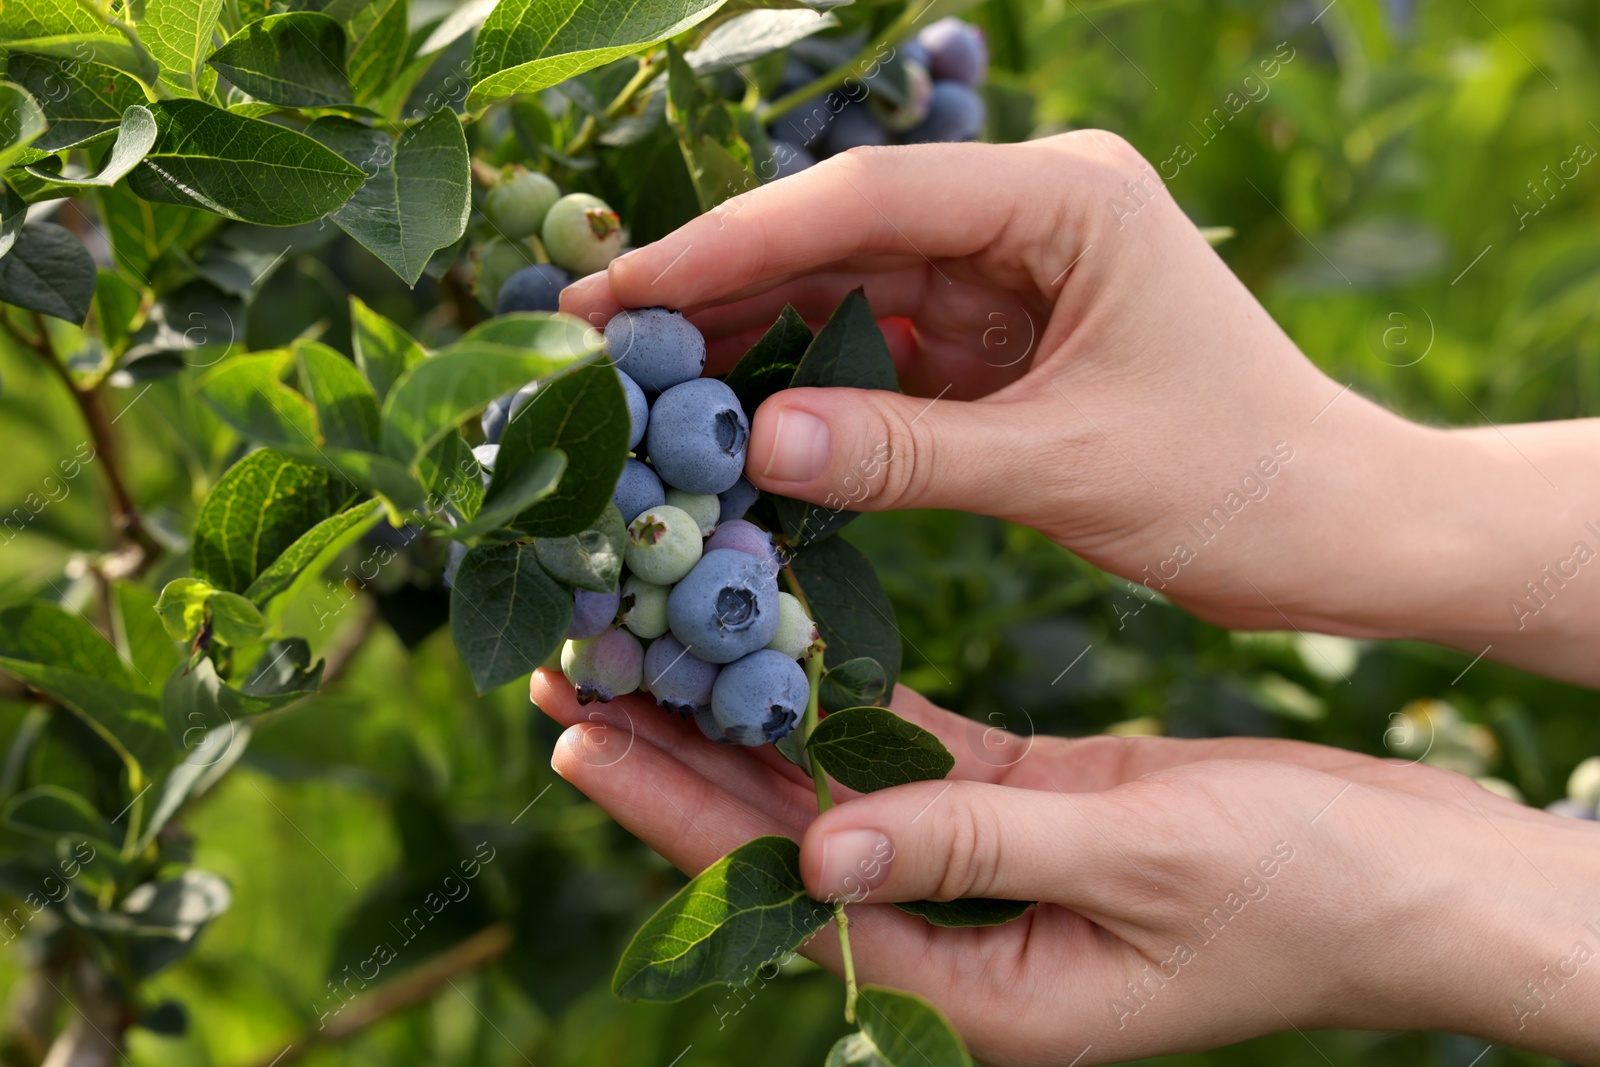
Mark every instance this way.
x=519 y=201
x=706 y=508
x=582 y=234
x=663 y=544
x=605 y=667
x=644 y=607
x=796 y=632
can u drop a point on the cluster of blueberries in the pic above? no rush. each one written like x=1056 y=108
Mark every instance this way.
x=578 y=233
x=700 y=583
x=943 y=66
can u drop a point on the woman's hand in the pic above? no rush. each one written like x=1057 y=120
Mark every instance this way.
x=1192 y=893
x=1079 y=360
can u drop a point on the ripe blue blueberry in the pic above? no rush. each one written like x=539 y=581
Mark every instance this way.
x=726 y=607
x=452 y=563
x=644 y=607
x=808 y=121
x=705 y=508
x=679 y=680
x=796 y=632
x=535 y=288
x=582 y=233
x=663 y=544
x=708 y=725
x=747 y=537
x=655 y=347
x=604 y=667
x=517 y=203
x=1571 y=809
x=698 y=436
x=854 y=127
x=789 y=158
x=898 y=118
x=592 y=612
x=759 y=698
x=637 y=488
x=638 y=410
x=737 y=499
x=500 y=410
x=957 y=51
x=956 y=113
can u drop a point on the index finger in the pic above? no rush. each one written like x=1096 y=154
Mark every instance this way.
x=867 y=209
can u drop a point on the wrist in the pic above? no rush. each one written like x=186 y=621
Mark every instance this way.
x=1533 y=979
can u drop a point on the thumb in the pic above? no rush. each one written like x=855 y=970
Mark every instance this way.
x=873 y=450
x=943 y=840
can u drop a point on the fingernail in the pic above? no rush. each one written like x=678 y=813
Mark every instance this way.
x=799 y=447
x=853 y=863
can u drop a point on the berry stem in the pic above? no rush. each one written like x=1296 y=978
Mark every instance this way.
x=868 y=54
x=585 y=137
x=825 y=801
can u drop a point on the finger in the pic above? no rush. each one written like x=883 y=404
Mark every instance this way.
x=693 y=821
x=760 y=774
x=944 y=840
x=873 y=450
x=915 y=203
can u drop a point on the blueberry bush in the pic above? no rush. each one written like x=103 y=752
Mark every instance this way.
x=306 y=474
x=556 y=493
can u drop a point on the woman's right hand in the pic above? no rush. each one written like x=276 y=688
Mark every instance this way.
x=1078 y=359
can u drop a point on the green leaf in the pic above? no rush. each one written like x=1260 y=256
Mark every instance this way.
x=591 y=559
x=234 y=620
x=433 y=397
x=250 y=394
x=528 y=45
x=713 y=150
x=854 y=683
x=332 y=532
x=867 y=749
x=79 y=99
x=742 y=912
x=48 y=270
x=450 y=472
x=898 y=1030
x=755 y=34
x=141 y=635
x=294 y=60
x=535 y=478
x=849 y=352
x=849 y=606
x=241 y=168
x=257 y=510
x=51 y=812
x=584 y=414
x=346 y=406
x=506 y=613
x=21 y=121
x=198 y=700
x=417 y=195
x=44 y=18
x=13 y=213
x=378 y=34
x=769 y=366
x=134 y=138
x=182 y=607
x=178 y=34
x=58 y=652
x=104 y=49
x=383 y=350
x=967 y=911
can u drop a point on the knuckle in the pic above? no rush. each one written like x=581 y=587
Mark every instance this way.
x=911 y=457
x=972 y=861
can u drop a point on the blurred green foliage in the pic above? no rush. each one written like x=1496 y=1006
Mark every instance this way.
x=1384 y=169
